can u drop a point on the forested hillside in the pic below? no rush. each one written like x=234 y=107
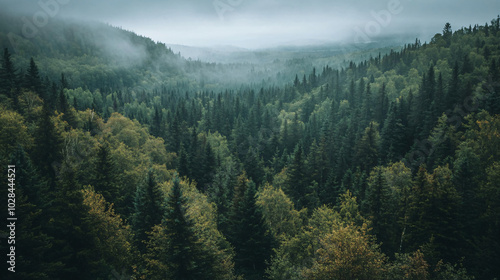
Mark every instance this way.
x=385 y=169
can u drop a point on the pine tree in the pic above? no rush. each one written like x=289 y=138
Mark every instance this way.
x=65 y=219
x=148 y=210
x=381 y=211
x=297 y=180
x=254 y=166
x=382 y=105
x=247 y=231
x=447 y=33
x=47 y=152
x=8 y=76
x=367 y=148
x=156 y=128
x=63 y=107
x=105 y=176
x=184 y=257
x=182 y=165
x=434 y=210
x=35 y=244
x=208 y=165
x=392 y=136
x=32 y=80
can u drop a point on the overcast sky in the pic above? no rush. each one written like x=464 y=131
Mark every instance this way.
x=267 y=23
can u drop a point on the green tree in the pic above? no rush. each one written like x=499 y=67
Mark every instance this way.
x=347 y=253
x=34 y=244
x=392 y=136
x=32 y=80
x=297 y=182
x=434 y=215
x=378 y=201
x=47 y=152
x=148 y=209
x=187 y=244
x=447 y=33
x=247 y=231
x=184 y=258
x=105 y=175
x=366 y=148
x=66 y=221
x=8 y=76
x=113 y=237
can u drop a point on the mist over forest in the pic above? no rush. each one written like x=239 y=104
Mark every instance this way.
x=250 y=140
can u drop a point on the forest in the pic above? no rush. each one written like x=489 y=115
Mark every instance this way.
x=136 y=163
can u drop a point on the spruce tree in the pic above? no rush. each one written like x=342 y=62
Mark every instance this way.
x=185 y=258
x=66 y=221
x=378 y=205
x=247 y=231
x=8 y=76
x=47 y=152
x=32 y=80
x=105 y=175
x=148 y=209
x=297 y=181
x=367 y=148
x=35 y=244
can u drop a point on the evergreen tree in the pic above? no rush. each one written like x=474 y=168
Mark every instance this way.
x=157 y=128
x=254 y=166
x=8 y=76
x=453 y=88
x=381 y=211
x=182 y=165
x=68 y=114
x=32 y=80
x=105 y=175
x=208 y=165
x=247 y=231
x=367 y=148
x=297 y=179
x=35 y=244
x=447 y=33
x=65 y=220
x=47 y=152
x=393 y=136
x=184 y=256
x=148 y=210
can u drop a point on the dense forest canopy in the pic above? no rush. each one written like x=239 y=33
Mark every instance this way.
x=135 y=163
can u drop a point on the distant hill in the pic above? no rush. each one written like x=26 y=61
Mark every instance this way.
x=95 y=55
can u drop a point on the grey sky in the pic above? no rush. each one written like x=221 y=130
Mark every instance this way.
x=265 y=23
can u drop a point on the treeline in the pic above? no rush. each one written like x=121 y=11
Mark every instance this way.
x=386 y=169
x=102 y=58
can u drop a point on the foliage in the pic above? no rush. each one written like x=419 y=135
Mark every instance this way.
x=380 y=168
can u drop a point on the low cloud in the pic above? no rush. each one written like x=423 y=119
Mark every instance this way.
x=266 y=23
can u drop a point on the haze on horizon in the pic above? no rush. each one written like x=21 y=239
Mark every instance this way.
x=269 y=23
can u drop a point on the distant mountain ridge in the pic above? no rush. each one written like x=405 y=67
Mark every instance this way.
x=99 y=56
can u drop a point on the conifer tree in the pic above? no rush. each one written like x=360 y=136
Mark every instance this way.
x=32 y=80
x=148 y=209
x=66 y=221
x=247 y=231
x=8 y=76
x=105 y=177
x=297 y=181
x=367 y=148
x=182 y=165
x=185 y=258
x=35 y=244
x=392 y=136
x=47 y=152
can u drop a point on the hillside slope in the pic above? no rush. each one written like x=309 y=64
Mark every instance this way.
x=386 y=169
